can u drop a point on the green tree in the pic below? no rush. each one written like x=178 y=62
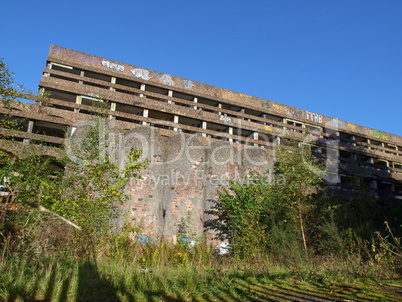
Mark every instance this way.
x=257 y=208
x=92 y=188
x=243 y=209
x=294 y=162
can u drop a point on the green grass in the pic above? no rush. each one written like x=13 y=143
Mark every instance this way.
x=53 y=279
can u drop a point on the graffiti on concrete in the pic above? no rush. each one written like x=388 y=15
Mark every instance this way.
x=296 y=112
x=245 y=95
x=379 y=134
x=314 y=117
x=167 y=80
x=188 y=84
x=112 y=65
x=281 y=130
x=140 y=73
x=265 y=105
x=337 y=123
x=352 y=127
x=147 y=75
x=143 y=240
x=277 y=107
x=226 y=119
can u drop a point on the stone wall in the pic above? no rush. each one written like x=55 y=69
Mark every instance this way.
x=177 y=194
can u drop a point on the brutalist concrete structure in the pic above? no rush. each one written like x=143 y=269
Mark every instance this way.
x=197 y=136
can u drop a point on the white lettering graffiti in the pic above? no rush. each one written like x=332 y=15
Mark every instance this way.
x=114 y=66
x=314 y=117
x=140 y=73
x=167 y=80
x=226 y=119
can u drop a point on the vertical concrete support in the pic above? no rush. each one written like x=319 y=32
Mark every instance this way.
x=29 y=130
x=183 y=194
x=255 y=136
x=143 y=89
x=220 y=107
x=145 y=206
x=113 y=81
x=82 y=74
x=112 y=108
x=78 y=100
x=176 y=121
x=170 y=93
x=195 y=101
x=230 y=131
x=145 y=114
x=242 y=111
x=223 y=163
x=204 y=126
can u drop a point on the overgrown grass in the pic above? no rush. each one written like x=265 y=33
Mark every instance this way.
x=214 y=278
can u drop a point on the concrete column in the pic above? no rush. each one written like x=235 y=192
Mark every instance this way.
x=82 y=74
x=220 y=107
x=29 y=130
x=145 y=114
x=204 y=126
x=176 y=121
x=195 y=101
x=242 y=111
x=230 y=131
x=143 y=89
x=78 y=100
x=170 y=93
x=112 y=108
x=256 y=138
x=113 y=81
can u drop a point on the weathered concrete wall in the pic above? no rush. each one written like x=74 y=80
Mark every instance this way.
x=178 y=190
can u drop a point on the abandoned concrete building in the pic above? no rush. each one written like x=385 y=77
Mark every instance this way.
x=196 y=136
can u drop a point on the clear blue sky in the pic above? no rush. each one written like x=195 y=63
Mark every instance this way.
x=338 y=58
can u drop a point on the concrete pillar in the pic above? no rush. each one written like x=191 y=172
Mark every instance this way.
x=143 y=89
x=241 y=111
x=170 y=93
x=230 y=131
x=78 y=100
x=112 y=108
x=145 y=114
x=176 y=121
x=195 y=101
x=113 y=81
x=255 y=136
x=204 y=126
x=82 y=74
x=220 y=107
x=29 y=130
